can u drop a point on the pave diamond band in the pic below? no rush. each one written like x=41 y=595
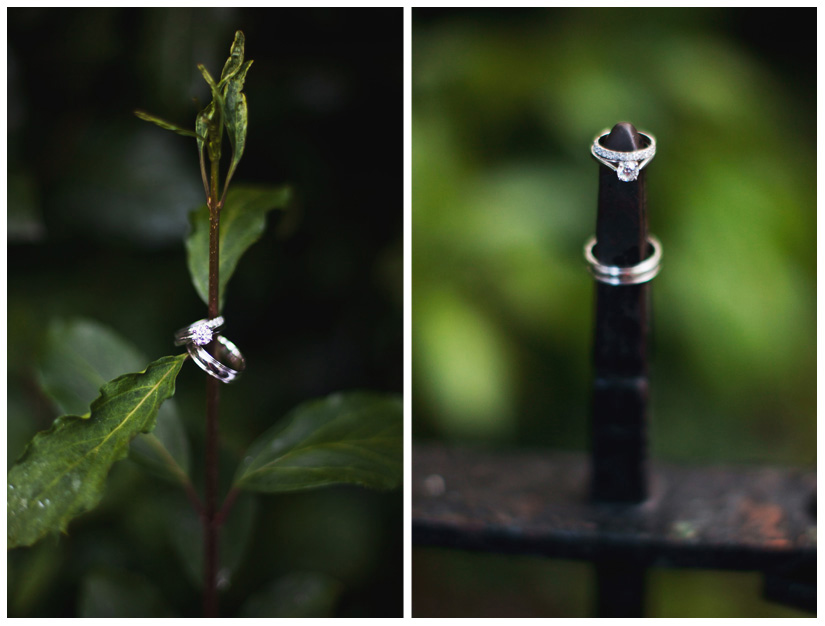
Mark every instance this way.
x=631 y=275
x=627 y=165
x=201 y=332
x=635 y=155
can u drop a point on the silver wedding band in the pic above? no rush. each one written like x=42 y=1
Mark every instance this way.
x=228 y=362
x=618 y=275
x=226 y=351
x=627 y=165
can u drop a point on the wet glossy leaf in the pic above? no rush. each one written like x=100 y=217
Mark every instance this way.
x=352 y=438
x=243 y=220
x=77 y=358
x=62 y=472
x=299 y=594
x=164 y=124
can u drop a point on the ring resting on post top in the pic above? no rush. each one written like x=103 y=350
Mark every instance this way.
x=627 y=165
x=630 y=275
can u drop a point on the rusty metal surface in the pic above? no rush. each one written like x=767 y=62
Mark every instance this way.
x=529 y=503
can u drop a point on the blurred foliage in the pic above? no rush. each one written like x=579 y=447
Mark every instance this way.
x=486 y=585
x=505 y=106
x=98 y=206
x=352 y=438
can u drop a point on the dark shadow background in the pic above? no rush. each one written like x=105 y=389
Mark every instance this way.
x=97 y=213
x=505 y=106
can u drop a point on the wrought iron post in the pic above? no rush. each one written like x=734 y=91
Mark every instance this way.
x=620 y=386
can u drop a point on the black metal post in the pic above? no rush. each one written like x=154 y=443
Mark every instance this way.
x=620 y=389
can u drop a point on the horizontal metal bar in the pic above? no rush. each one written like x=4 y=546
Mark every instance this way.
x=742 y=518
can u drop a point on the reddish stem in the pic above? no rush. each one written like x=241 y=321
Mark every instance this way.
x=210 y=527
x=220 y=518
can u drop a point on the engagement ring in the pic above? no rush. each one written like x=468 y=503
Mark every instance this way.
x=627 y=165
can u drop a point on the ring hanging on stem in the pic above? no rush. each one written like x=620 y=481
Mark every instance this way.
x=201 y=332
x=225 y=351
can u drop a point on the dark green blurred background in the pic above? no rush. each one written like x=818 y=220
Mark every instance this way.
x=97 y=212
x=505 y=106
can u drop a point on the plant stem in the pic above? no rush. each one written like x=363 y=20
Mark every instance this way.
x=226 y=507
x=210 y=597
x=210 y=527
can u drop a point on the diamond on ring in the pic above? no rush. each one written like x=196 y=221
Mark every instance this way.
x=202 y=334
x=627 y=171
x=627 y=165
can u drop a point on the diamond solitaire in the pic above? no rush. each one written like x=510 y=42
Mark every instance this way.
x=627 y=165
x=627 y=171
x=202 y=334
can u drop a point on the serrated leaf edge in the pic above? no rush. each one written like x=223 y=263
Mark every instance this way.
x=176 y=362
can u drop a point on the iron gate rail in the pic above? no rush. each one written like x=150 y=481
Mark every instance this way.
x=738 y=518
x=613 y=507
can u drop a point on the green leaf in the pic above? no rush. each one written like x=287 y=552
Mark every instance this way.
x=78 y=356
x=236 y=115
x=164 y=124
x=62 y=472
x=345 y=438
x=235 y=60
x=209 y=127
x=243 y=220
x=209 y=122
x=208 y=78
x=206 y=125
x=299 y=594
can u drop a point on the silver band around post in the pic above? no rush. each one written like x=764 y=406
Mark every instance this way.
x=632 y=275
x=201 y=332
x=226 y=352
x=627 y=165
